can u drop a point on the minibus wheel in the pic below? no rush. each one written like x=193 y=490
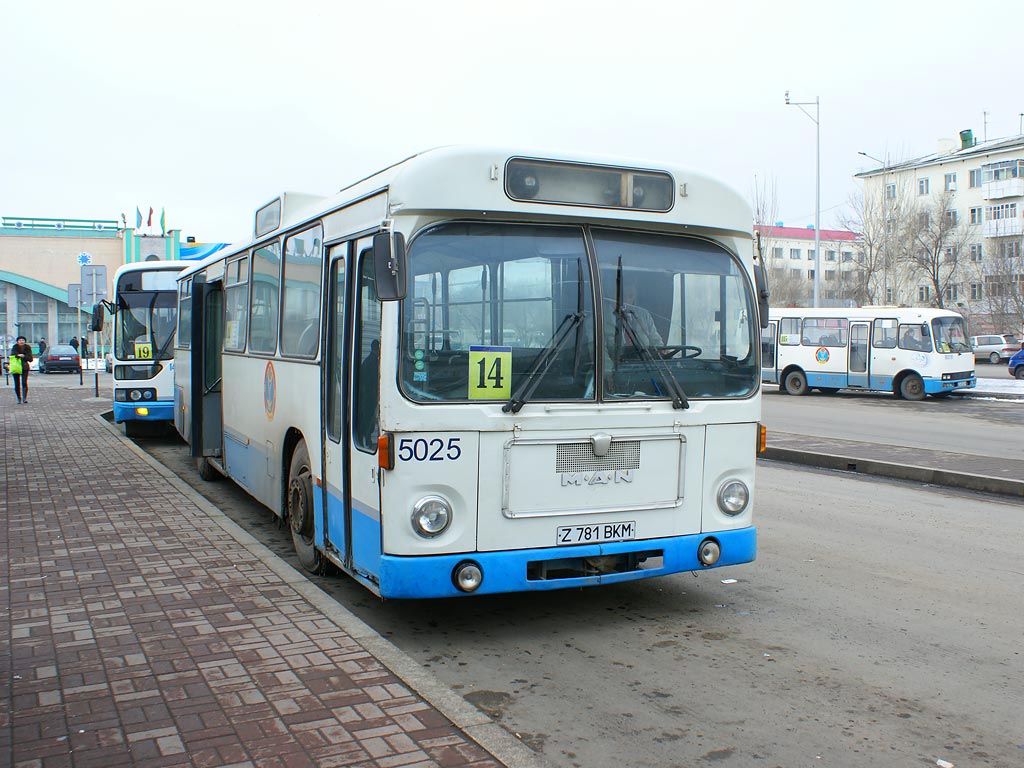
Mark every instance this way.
x=795 y=383
x=912 y=387
x=300 y=510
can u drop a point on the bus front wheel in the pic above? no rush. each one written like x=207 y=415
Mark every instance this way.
x=912 y=387
x=300 y=510
x=795 y=383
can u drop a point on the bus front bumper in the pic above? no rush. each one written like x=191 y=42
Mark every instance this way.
x=403 y=577
x=933 y=386
x=155 y=411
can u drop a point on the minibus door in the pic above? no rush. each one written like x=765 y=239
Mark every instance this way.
x=769 y=373
x=857 y=375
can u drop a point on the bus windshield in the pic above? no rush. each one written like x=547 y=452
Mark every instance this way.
x=507 y=312
x=145 y=325
x=950 y=335
x=688 y=303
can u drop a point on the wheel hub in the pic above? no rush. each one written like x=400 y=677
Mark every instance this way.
x=300 y=511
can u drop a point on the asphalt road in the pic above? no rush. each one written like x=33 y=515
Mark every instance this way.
x=981 y=427
x=879 y=626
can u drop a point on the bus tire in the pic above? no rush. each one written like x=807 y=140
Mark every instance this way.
x=206 y=470
x=828 y=390
x=795 y=383
x=300 y=510
x=912 y=387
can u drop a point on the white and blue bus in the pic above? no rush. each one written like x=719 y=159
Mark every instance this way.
x=145 y=310
x=483 y=371
x=910 y=352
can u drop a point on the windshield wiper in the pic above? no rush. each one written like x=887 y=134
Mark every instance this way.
x=544 y=360
x=543 y=363
x=652 y=363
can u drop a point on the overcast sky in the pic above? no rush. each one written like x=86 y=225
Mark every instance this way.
x=210 y=108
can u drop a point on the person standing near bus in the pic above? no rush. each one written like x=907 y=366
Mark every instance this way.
x=21 y=359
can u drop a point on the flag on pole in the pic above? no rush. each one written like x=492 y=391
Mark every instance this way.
x=163 y=223
x=149 y=221
x=138 y=218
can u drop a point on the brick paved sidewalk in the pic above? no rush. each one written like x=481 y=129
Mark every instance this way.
x=135 y=632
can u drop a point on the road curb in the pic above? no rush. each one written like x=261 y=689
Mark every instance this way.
x=943 y=477
x=486 y=732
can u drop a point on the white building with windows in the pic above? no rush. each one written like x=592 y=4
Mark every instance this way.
x=789 y=257
x=980 y=188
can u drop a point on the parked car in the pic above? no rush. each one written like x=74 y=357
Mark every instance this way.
x=995 y=347
x=1017 y=364
x=60 y=357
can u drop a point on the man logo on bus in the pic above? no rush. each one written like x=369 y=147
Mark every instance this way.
x=821 y=355
x=269 y=390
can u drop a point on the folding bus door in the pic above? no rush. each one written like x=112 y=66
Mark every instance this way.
x=350 y=494
x=207 y=342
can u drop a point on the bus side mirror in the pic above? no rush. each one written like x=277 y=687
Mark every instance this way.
x=389 y=265
x=761 y=286
x=96 y=323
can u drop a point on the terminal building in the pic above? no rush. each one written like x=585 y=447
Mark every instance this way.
x=41 y=257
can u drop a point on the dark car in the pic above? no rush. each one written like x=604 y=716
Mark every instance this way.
x=1017 y=364
x=60 y=357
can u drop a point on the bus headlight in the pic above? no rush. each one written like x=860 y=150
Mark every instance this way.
x=135 y=395
x=733 y=497
x=431 y=516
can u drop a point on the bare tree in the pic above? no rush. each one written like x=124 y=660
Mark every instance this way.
x=938 y=241
x=881 y=215
x=1002 y=281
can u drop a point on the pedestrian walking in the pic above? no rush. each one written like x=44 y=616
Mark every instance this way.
x=20 y=360
x=74 y=342
x=42 y=347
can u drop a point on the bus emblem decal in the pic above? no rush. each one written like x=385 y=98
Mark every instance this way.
x=607 y=477
x=269 y=390
x=821 y=355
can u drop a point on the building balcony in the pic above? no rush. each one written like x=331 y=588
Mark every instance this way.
x=1003 y=228
x=997 y=190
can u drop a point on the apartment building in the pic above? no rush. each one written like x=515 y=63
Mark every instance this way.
x=789 y=257
x=966 y=203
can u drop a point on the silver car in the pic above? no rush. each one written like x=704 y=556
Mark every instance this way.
x=995 y=347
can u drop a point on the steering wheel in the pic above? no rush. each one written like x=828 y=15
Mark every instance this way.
x=683 y=351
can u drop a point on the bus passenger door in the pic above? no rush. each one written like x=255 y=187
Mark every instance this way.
x=207 y=340
x=857 y=375
x=350 y=495
x=363 y=409
x=769 y=372
x=334 y=490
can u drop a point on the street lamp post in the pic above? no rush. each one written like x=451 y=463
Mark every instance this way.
x=817 y=183
x=885 y=226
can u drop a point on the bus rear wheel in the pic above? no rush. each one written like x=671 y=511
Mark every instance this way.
x=300 y=510
x=912 y=387
x=795 y=383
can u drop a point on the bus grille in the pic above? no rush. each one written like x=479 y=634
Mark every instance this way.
x=579 y=457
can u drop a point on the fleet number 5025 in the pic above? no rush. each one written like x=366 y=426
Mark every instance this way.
x=435 y=449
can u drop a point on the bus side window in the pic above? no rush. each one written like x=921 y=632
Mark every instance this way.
x=367 y=359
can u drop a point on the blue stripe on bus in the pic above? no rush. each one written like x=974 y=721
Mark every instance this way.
x=431 y=575
x=160 y=410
